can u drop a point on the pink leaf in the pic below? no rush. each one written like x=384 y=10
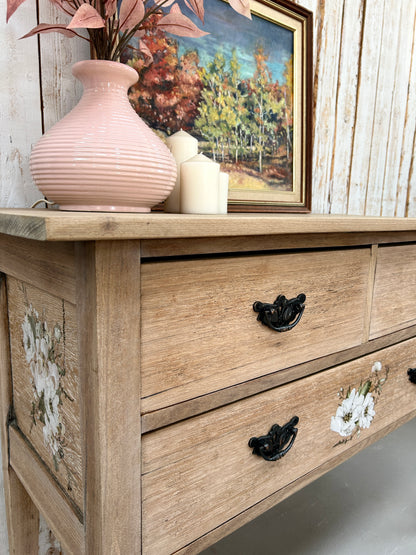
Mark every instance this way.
x=46 y=28
x=12 y=6
x=197 y=6
x=110 y=7
x=147 y=55
x=242 y=7
x=86 y=17
x=131 y=14
x=178 y=24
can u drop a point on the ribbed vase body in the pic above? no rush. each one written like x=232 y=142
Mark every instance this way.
x=102 y=156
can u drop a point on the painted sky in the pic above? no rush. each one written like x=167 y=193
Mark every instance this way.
x=230 y=30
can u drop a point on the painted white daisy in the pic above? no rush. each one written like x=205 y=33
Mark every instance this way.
x=348 y=414
x=368 y=412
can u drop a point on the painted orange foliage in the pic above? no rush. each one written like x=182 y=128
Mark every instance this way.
x=169 y=90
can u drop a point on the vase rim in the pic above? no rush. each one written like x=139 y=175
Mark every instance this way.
x=100 y=69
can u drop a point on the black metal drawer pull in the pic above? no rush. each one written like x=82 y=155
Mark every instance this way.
x=412 y=374
x=277 y=442
x=283 y=314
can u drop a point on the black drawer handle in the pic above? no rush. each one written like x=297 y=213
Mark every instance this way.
x=283 y=314
x=412 y=374
x=277 y=442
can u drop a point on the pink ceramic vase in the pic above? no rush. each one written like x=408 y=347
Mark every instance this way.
x=102 y=156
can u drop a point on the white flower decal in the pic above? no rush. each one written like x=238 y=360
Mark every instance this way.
x=356 y=410
x=46 y=372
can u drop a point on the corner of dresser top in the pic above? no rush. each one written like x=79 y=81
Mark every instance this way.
x=27 y=223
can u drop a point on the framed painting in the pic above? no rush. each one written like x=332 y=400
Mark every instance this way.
x=244 y=91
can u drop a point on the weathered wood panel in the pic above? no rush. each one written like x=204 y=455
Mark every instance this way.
x=44 y=351
x=60 y=90
x=20 y=114
x=325 y=103
x=407 y=176
x=383 y=109
x=399 y=144
x=351 y=35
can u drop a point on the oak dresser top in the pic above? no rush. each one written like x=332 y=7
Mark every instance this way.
x=55 y=225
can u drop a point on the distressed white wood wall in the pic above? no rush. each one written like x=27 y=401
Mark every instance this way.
x=364 y=107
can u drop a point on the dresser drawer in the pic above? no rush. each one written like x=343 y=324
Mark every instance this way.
x=201 y=472
x=394 y=290
x=201 y=334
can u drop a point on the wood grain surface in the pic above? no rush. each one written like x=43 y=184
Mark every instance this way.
x=201 y=313
x=53 y=311
x=201 y=472
x=109 y=323
x=394 y=289
x=53 y=225
x=21 y=513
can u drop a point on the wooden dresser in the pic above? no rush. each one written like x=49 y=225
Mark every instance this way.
x=167 y=378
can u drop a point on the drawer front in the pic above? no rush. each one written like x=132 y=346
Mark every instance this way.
x=394 y=290
x=199 y=473
x=201 y=334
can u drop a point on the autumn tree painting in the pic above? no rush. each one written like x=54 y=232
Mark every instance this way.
x=235 y=96
x=168 y=93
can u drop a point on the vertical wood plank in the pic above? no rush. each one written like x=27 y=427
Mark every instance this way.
x=60 y=90
x=109 y=324
x=406 y=205
x=314 y=7
x=22 y=515
x=392 y=199
x=383 y=109
x=327 y=67
x=398 y=110
x=346 y=105
x=370 y=59
x=19 y=107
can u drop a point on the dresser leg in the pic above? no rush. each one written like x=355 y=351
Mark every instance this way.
x=22 y=517
x=108 y=307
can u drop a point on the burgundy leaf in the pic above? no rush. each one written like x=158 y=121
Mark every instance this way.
x=197 y=6
x=46 y=28
x=131 y=14
x=178 y=24
x=86 y=17
x=12 y=6
x=242 y=7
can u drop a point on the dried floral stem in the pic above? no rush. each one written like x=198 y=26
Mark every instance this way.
x=112 y=24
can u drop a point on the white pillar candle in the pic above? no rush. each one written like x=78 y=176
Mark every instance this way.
x=183 y=146
x=199 y=185
x=223 y=193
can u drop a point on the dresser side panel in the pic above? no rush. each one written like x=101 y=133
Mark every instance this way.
x=44 y=354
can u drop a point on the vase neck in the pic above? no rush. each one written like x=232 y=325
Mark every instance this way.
x=105 y=76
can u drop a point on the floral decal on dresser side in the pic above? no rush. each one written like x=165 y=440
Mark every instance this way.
x=357 y=408
x=47 y=370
